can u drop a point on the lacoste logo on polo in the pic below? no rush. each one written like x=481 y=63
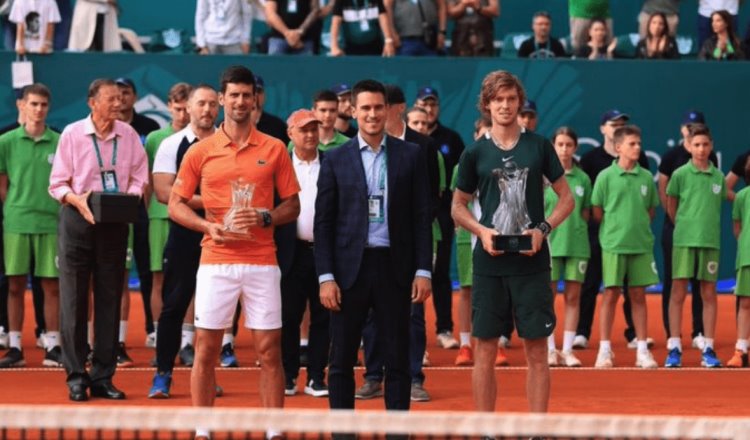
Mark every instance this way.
x=579 y=190
x=712 y=267
x=261 y=162
x=505 y=159
x=716 y=188
x=644 y=190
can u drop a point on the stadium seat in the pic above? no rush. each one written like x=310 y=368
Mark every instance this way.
x=512 y=42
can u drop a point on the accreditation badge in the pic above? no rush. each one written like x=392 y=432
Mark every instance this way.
x=375 y=209
x=109 y=181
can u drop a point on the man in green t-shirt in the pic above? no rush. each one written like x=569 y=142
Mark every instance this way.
x=694 y=197
x=624 y=201
x=158 y=219
x=30 y=223
x=325 y=106
x=510 y=284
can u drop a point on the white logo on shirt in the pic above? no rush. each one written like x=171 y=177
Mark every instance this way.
x=582 y=265
x=716 y=188
x=644 y=190
x=505 y=159
x=579 y=190
x=712 y=266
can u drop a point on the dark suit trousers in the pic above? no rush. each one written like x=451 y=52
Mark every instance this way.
x=142 y=255
x=441 y=282
x=89 y=251
x=182 y=256
x=299 y=287
x=376 y=289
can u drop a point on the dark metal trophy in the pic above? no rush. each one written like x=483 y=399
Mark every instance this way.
x=511 y=217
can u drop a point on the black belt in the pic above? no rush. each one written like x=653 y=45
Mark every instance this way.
x=305 y=243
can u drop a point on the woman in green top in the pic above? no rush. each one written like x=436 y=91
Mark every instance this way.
x=569 y=244
x=723 y=45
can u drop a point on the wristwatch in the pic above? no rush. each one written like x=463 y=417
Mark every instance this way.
x=266 y=219
x=545 y=227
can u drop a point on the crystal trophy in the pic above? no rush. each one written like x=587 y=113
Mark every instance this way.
x=242 y=195
x=511 y=217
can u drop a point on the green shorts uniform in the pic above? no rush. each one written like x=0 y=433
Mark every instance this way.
x=695 y=262
x=743 y=282
x=20 y=249
x=527 y=299
x=569 y=268
x=464 y=264
x=158 y=231
x=640 y=269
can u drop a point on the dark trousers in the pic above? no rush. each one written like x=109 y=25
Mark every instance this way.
x=62 y=29
x=97 y=43
x=442 y=288
x=89 y=252
x=667 y=232
x=590 y=288
x=417 y=346
x=142 y=255
x=298 y=288
x=182 y=255
x=375 y=288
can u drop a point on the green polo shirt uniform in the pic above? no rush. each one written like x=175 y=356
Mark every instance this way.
x=700 y=194
x=570 y=238
x=27 y=162
x=741 y=213
x=626 y=197
x=153 y=140
x=158 y=215
x=337 y=141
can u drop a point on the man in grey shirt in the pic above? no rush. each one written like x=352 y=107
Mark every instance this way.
x=420 y=25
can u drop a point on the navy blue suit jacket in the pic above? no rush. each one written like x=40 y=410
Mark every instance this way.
x=341 y=223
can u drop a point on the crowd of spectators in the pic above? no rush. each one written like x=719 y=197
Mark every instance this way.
x=379 y=27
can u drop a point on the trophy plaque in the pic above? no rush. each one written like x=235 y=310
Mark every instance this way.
x=511 y=217
x=242 y=195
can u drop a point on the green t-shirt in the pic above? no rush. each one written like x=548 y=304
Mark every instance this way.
x=462 y=235
x=625 y=197
x=337 y=141
x=28 y=207
x=153 y=140
x=589 y=9
x=741 y=213
x=700 y=194
x=571 y=237
x=532 y=155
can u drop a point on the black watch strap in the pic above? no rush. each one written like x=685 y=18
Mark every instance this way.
x=266 y=219
x=545 y=227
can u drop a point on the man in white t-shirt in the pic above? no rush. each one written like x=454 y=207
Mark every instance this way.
x=35 y=21
x=708 y=7
x=223 y=27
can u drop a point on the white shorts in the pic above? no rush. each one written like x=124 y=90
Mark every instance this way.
x=220 y=286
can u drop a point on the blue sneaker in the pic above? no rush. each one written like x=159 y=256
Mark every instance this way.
x=228 y=358
x=160 y=387
x=709 y=359
x=674 y=358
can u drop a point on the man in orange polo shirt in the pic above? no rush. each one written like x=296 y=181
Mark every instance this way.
x=237 y=265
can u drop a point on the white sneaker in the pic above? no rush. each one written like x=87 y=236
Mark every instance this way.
x=426 y=359
x=580 y=342
x=699 y=342
x=503 y=342
x=645 y=360
x=446 y=340
x=552 y=359
x=605 y=359
x=3 y=339
x=151 y=340
x=633 y=344
x=568 y=359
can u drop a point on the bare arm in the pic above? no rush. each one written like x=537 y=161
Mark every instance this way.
x=163 y=187
x=286 y=211
x=672 y=204
x=651 y=213
x=565 y=204
x=662 y=188
x=311 y=17
x=273 y=19
x=20 y=33
x=458 y=9
x=3 y=187
x=463 y=217
x=598 y=213
x=389 y=48
x=731 y=180
x=388 y=4
x=442 y=11
x=737 y=228
x=50 y=38
x=492 y=9
x=335 y=26
x=586 y=214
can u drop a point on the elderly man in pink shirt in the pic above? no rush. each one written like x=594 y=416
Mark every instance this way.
x=98 y=153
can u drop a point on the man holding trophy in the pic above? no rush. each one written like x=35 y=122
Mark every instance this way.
x=512 y=265
x=238 y=169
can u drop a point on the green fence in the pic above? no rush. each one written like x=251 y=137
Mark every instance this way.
x=568 y=92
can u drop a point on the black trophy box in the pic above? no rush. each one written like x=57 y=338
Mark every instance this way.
x=114 y=207
x=512 y=243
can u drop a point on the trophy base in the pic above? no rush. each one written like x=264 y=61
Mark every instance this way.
x=512 y=243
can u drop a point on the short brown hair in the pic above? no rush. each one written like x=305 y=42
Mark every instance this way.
x=565 y=131
x=179 y=92
x=38 y=89
x=627 y=130
x=98 y=84
x=492 y=83
x=698 y=130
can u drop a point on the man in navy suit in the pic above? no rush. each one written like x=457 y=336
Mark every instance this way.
x=372 y=246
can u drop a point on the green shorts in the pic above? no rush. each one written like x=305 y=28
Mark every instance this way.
x=639 y=269
x=701 y=263
x=464 y=264
x=129 y=254
x=743 y=282
x=569 y=268
x=20 y=249
x=527 y=299
x=158 y=231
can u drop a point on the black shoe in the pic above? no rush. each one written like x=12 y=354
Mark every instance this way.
x=13 y=358
x=53 y=357
x=78 y=393
x=106 y=390
x=123 y=360
x=187 y=355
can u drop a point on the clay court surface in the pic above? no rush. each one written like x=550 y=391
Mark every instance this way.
x=691 y=390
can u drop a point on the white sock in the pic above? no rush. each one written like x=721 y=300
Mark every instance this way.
x=227 y=339
x=710 y=343
x=642 y=346
x=271 y=433
x=551 y=342
x=465 y=338
x=14 y=339
x=741 y=345
x=568 y=337
x=90 y=334
x=200 y=432
x=188 y=335
x=53 y=340
x=123 y=331
x=674 y=343
x=156 y=326
x=604 y=346
x=303 y=342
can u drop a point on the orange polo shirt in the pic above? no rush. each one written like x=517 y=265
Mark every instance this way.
x=213 y=164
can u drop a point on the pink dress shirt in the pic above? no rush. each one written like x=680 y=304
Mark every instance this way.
x=76 y=168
